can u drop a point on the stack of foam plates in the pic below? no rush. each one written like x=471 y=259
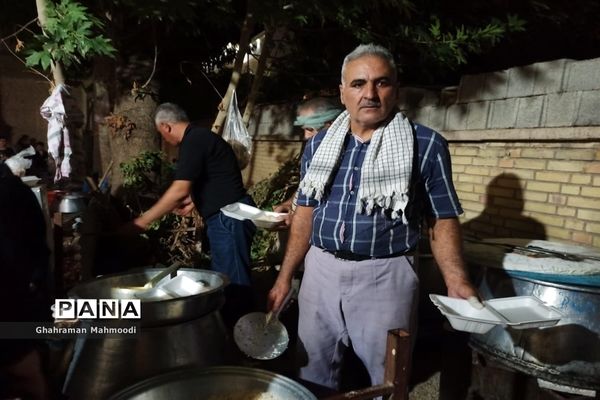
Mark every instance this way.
x=519 y=312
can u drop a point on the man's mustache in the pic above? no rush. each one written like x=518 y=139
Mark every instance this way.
x=370 y=103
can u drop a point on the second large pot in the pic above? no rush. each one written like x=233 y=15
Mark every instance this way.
x=235 y=383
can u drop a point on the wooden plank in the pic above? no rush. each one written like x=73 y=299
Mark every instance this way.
x=397 y=370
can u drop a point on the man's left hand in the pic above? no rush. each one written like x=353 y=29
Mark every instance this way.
x=186 y=207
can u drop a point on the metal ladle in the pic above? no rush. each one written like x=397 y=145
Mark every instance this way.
x=129 y=290
x=262 y=336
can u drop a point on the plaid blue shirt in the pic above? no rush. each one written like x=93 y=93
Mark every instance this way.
x=337 y=226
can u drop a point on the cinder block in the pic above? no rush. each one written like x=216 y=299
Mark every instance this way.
x=549 y=76
x=495 y=86
x=456 y=117
x=411 y=113
x=503 y=113
x=561 y=109
x=470 y=87
x=529 y=113
x=437 y=118
x=589 y=108
x=521 y=81
x=477 y=114
x=583 y=75
x=448 y=95
x=420 y=115
x=413 y=97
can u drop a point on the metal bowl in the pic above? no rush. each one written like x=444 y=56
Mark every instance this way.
x=72 y=203
x=160 y=311
x=216 y=383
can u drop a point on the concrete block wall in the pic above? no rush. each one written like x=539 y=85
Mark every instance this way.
x=546 y=94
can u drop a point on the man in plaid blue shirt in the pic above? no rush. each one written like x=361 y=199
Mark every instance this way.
x=366 y=186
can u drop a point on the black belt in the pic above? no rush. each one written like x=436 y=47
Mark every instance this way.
x=350 y=256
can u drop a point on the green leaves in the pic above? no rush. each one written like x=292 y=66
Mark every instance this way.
x=450 y=46
x=147 y=172
x=70 y=35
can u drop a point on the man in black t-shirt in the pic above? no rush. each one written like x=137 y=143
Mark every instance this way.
x=207 y=177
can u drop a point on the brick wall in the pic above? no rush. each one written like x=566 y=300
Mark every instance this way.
x=525 y=145
x=275 y=140
x=529 y=189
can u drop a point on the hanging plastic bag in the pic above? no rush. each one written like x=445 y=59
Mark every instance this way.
x=236 y=134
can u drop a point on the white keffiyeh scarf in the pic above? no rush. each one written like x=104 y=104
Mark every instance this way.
x=386 y=169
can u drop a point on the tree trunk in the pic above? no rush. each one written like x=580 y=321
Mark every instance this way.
x=57 y=71
x=247 y=28
x=142 y=138
x=265 y=53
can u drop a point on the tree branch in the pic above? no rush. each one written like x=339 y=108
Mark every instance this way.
x=19 y=30
x=24 y=63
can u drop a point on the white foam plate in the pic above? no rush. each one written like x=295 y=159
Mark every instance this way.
x=182 y=286
x=260 y=218
x=519 y=312
x=522 y=312
x=463 y=316
x=31 y=180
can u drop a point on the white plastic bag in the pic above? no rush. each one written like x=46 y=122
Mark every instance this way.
x=18 y=164
x=236 y=134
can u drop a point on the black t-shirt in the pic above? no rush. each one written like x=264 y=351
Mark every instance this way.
x=209 y=162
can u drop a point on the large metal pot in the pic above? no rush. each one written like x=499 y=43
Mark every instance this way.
x=160 y=312
x=566 y=354
x=216 y=383
x=175 y=333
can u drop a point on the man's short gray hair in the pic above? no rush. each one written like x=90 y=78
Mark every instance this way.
x=369 y=50
x=319 y=105
x=170 y=113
